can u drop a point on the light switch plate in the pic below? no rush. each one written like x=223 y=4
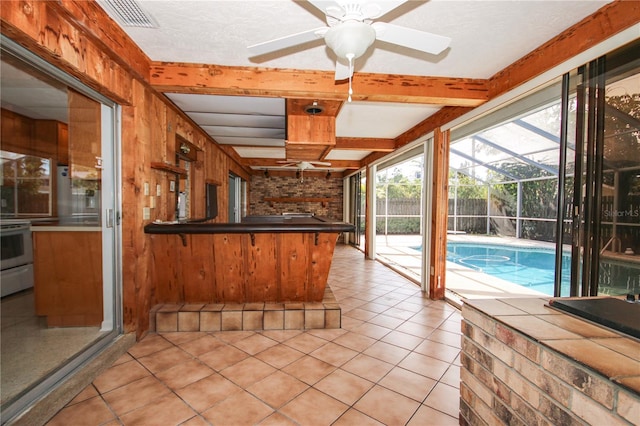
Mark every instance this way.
x=146 y=213
x=152 y=202
x=146 y=188
x=158 y=190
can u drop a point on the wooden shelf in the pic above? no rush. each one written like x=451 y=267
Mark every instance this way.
x=169 y=168
x=322 y=200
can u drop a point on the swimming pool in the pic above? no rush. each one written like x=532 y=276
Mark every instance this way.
x=535 y=267
x=528 y=267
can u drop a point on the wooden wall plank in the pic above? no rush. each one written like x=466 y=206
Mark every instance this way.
x=229 y=267
x=261 y=266
x=294 y=260
x=197 y=263
x=163 y=274
x=321 y=255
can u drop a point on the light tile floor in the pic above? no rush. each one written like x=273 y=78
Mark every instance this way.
x=395 y=361
x=30 y=350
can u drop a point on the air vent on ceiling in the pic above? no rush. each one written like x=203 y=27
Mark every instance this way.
x=128 y=13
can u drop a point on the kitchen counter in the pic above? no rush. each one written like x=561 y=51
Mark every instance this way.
x=82 y=224
x=64 y=228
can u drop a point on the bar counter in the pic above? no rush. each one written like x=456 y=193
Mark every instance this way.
x=252 y=224
x=268 y=259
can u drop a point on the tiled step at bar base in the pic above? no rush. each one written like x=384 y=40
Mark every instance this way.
x=247 y=316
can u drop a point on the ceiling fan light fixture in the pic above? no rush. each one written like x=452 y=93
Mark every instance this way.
x=350 y=39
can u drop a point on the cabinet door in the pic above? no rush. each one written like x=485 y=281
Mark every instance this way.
x=67 y=269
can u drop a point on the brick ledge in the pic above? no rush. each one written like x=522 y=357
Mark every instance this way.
x=247 y=316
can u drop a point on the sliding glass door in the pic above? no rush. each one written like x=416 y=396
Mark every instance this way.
x=602 y=181
x=356 y=208
x=59 y=175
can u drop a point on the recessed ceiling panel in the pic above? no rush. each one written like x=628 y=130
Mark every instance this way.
x=380 y=120
x=253 y=152
x=249 y=132
x=347 y=154
x=227 y=140
x=245 y=105
x=239 y=120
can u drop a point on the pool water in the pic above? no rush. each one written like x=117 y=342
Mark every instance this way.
x=531 y=268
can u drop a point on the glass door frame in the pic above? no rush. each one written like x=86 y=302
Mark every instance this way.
x=588 y=83
x=111 y=198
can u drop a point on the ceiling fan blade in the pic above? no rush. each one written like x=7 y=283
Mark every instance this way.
x=287 y=41
x=343 y=71
x=413 y=39
x=320 y=163
x=375 y=9
x=324 y=5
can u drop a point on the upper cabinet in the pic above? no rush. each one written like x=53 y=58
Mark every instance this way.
x=85 y=150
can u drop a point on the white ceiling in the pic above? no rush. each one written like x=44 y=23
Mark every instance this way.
x=486 y=35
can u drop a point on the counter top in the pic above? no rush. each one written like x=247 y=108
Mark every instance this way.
x=253 y=224
x=65 y=228
x=65 y=225
x=612 y=354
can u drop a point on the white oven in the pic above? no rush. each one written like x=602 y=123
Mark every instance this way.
x=16 y=256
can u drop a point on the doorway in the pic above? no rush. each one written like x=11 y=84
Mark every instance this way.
x=59 y=174
x=237 y=198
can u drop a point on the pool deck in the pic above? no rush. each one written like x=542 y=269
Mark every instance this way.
x=397 y=252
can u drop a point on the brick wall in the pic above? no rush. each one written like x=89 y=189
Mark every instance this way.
x=509 y=379
x=291 y=187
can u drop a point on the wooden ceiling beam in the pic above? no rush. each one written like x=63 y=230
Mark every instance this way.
x=365 y=144
x=171 y=77
x=603 y=24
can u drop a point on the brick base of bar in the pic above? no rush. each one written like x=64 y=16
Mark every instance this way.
x=247 y=316
x=560 y=371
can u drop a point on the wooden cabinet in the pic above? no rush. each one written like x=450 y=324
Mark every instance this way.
x=41 y=138
x=68 y=277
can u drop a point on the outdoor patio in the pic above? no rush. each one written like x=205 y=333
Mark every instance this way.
x=402 y=253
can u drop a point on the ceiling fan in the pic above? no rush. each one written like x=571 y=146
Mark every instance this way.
x=303 y=165
x=351 y=31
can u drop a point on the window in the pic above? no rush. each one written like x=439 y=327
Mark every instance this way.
x=26 y=185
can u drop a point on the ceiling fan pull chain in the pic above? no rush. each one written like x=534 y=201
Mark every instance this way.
x=350 y=58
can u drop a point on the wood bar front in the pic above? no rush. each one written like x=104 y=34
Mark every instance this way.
x=268 y=259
